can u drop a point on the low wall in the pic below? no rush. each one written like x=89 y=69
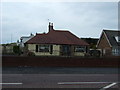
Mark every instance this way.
x=60 y=61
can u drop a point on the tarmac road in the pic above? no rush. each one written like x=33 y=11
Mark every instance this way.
x=59 y=77
x=100 y=81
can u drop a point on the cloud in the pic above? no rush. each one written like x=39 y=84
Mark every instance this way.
x=83 y=19
x=60 y=0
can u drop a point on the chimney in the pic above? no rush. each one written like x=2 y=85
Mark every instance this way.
x=50 y=27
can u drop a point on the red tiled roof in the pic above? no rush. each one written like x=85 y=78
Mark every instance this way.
x=56 y=37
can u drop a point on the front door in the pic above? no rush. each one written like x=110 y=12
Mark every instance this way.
x=66 y=50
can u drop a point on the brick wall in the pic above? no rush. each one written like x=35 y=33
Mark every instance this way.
x=60 y=61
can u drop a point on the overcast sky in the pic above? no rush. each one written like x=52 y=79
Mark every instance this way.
x=81 y=18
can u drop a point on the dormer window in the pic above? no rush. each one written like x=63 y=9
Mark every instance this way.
x=117 y=38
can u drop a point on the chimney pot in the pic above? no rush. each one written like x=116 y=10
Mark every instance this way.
x=50 y=26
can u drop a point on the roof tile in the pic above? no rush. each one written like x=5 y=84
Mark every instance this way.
x=57 y=37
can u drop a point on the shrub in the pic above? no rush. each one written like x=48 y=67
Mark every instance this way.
x=16 y=50
x=30 y=54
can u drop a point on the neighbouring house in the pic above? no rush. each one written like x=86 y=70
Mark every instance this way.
x=22 y=42
x=91 y=41
x=109 y=43
x=57 y=43
x=24 y=39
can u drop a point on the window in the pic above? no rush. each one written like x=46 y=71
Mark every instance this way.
x=44 y=48
x=79 y=49
x=116 y=51
x=117 y=38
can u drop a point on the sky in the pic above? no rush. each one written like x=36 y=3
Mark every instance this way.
x=84 y=19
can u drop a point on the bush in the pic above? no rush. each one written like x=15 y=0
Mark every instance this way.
x=30 y=54
x=16 y=50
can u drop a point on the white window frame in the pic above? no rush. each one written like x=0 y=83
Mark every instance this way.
x=44 y=48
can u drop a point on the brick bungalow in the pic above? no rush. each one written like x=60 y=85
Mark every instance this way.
x=57 y=43
x=109 y=43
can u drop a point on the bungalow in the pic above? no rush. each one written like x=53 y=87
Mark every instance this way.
x=109 y=43
x=57 y=43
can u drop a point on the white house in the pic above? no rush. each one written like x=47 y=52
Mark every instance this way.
x=24 y=39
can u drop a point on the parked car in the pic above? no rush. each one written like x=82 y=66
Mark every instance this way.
x=95 y=53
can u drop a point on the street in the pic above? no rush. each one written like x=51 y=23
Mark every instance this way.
x=60 y=81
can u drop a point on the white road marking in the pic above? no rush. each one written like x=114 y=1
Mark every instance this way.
x=108 y=86
x=11 y=83
x=62 y=83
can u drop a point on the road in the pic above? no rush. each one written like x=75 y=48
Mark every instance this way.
x=60 y=80
x=95 y=78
